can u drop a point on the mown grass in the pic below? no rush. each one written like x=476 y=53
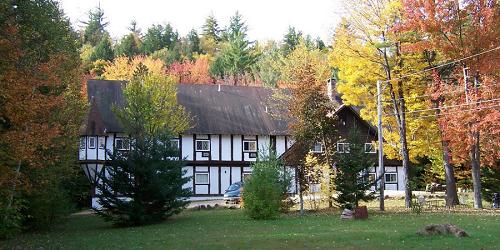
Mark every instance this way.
x=217 y=229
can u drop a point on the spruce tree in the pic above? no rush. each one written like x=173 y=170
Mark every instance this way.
x=144 y=184
x=352 y=181
x=95 y=26
x=103 y=50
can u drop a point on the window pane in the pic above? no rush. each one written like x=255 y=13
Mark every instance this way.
x=202 y=145
x=102 y=141
x=119 y=143
x=82 y=142
x=390 y=178
x=91 y=142
x=249 y=146
x=201 y=178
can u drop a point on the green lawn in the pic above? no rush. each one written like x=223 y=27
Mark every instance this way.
x=217 y=229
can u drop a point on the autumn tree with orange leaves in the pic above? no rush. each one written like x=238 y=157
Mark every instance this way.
x=40 y=110
x=466 y=92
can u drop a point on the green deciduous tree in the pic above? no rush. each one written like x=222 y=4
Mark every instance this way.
x=267 y=188
x=268 y=65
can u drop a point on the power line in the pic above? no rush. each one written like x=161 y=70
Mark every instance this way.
x=442 y=65
x=456 y=112
x=447 y=107
x=427 y=95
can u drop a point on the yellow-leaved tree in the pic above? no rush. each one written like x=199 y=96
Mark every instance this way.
x=122 y=68
x=368 y=48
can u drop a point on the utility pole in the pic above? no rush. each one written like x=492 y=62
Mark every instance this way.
x=381 y=169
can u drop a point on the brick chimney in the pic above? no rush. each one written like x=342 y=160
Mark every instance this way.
x=331 y=84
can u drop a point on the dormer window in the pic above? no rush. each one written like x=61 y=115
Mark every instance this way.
x=343 y=147
x=249 y=146
x=370 y=148
x=318 y=148
x=92 y=142
x=122 y=144
x=202 y=145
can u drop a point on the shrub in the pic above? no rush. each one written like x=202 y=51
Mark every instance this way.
x=491 y=182
x=265 y=192
x=10 y=218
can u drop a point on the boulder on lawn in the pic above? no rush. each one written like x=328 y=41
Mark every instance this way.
x=442 y=229
x=347 y=214
x=361 y=213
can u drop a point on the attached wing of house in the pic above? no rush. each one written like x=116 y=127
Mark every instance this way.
x=231 y=125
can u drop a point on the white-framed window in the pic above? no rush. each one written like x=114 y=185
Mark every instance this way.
x=249 y=146
x=318 y=148
x=343 y=147
x=370 y=148
x=202 y=145
x=82 y=142
x=122 y=143
x=91 y=142
x=102 y=142
x=391 y=178
x=202 y=178
x=174 y=143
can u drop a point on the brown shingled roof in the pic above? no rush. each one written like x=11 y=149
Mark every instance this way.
x=232 y=110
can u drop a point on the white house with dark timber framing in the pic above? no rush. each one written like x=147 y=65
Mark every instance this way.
x=231 y=124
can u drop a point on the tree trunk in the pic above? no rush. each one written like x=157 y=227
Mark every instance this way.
x=401 y=115
x=451 y=186
x=301 y=198
x=476 y=172
x=405 y=155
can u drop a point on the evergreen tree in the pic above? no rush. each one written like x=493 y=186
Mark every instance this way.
x=237 y=57
x=95 y=28
x=128 y=46
x=158 y=37
x=144 y=184
x=133 y=28
x=190 y=45
x=291 y=40
x=237 y=27
x=103 y=50
x=216 y=69
x=211 y=29
x=319 y=44
x=352 y=181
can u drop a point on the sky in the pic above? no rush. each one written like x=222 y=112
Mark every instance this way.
x=266 y=19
